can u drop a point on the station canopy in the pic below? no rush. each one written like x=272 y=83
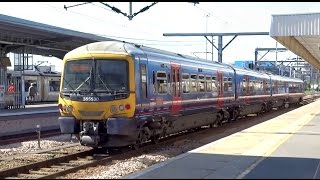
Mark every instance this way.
x=300 y=33
x=40 y=39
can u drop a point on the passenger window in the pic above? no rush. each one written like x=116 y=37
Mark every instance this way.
x=162 y=87
x=143 y=72
x=290 y=88
x=153 y=82
x=225 y=84
x=214 y=85
x=230 y=84
x=208 y=84
x=193 y=85
x=28 y=83
x=267 y=87
x=201 y=83
x=54 y=86
x=244 y=85
x=275 y=87
x=251 y=86
x=185 y=83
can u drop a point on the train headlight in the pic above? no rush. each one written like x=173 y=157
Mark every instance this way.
x=121 y=107
x=69 y=109
x=113 y=109
x=60 y=107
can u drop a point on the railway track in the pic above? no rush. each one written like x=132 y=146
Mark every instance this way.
x=309 y=98
x=60 y=166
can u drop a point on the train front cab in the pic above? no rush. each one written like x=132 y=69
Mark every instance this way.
x=97 y=99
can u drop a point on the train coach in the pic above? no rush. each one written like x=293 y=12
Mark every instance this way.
x=115 y=94
x=47 y=84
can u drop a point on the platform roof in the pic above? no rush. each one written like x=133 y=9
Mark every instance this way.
x=41 y=39
x=300 y=33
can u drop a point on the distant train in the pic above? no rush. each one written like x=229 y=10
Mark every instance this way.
x=115 y=94
x=47 y=85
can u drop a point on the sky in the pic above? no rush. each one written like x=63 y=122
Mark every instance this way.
x=147 y=28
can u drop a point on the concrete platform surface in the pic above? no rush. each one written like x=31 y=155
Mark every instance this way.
x=287 y=146
x=30 y=109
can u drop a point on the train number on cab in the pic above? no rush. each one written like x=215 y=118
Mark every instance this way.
x=90 y=99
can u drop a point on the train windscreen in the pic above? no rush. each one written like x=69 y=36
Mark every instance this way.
x=108 y=76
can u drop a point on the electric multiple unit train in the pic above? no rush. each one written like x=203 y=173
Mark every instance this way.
x=47 y=85
x=115 y=94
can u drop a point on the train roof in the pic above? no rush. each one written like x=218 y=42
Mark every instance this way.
x=33 y=73
x=251 y=72
x=262 y=73
x=127 y=48
x=285 y=78
x=131 y=48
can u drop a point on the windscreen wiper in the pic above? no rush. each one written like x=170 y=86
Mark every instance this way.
x=85 y=81
x=68 y=83
x=108 y=89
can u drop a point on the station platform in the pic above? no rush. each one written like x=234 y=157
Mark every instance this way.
x=285 y=147
x=30 y=109
x=26 y=120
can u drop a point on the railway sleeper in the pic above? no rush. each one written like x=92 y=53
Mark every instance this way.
x=29 y=176
x=40 y=172
x=45 y=169
x=60 y=168
x=87 y=158
x=71 y=164
x=14 y=178
x=81 y=161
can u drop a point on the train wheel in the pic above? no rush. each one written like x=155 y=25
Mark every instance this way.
x=263 y=109
x=136 y=146
x=139 y=141
x=218 y=122
x=155 y=139
x=77 y=137
x=235 y=115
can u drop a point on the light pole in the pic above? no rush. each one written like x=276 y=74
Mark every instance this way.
x=207 y=15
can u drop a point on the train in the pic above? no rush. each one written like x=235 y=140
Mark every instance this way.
x=47 y=84
x=116 y=94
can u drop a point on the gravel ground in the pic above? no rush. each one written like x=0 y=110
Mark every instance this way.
x=17 y=154
x=119 y=169
x=31 y=146
x=116 y=170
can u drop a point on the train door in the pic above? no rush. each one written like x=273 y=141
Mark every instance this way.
x=176 y=88
x=44 y=88
x=247 y=93
x=144 y=95
x=264 y=86
x=220 y=89
x=275 y=87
